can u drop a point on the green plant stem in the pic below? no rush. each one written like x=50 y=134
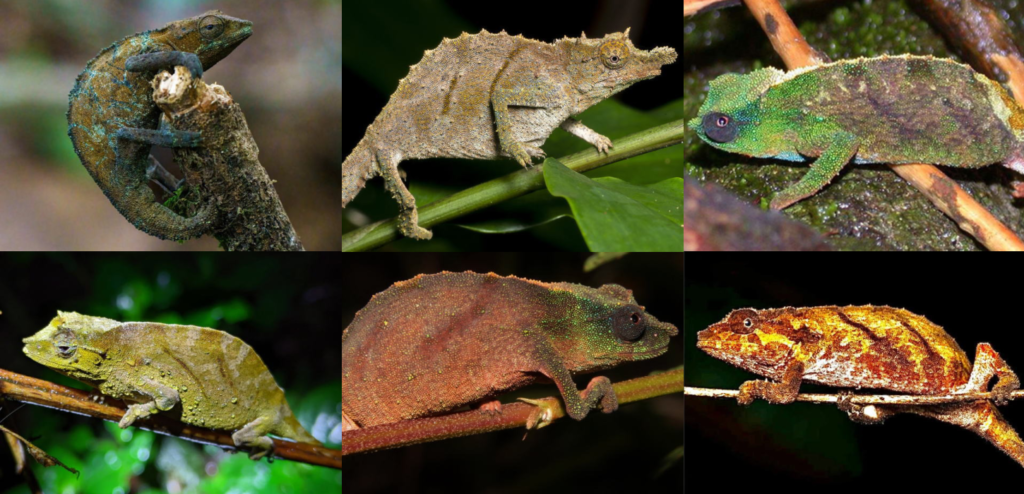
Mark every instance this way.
x=513 y=185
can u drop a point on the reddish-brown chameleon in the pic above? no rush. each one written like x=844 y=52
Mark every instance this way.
x=434 y=343
x=865 y=347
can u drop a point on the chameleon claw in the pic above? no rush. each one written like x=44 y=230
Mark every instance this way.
x=548 y=409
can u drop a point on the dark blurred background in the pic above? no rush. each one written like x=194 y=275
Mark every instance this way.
x=384 y=37
x=284 y=306
x=286 y=77
x=816 y=448
x=638 y=448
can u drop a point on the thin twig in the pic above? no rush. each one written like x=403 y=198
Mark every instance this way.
x=26 y=389
x=514 y=185
x=512 y=415
x=864 y=399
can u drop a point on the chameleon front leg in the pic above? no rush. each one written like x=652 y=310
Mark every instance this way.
x=152 y=62
x=598 y=393
x=520 y=151
x=841 y=149
x=162 y=398
x=778 y=393
x=576 y=128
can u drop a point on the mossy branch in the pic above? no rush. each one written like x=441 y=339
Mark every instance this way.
x=513 y=185
x=26 y=389
x=512 y=415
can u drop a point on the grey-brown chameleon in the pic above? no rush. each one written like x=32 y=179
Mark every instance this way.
x=487 y=95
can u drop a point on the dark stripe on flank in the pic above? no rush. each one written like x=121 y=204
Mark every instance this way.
x=927 y=346
x=515 y=51
x=448 y=95
x=846 y=319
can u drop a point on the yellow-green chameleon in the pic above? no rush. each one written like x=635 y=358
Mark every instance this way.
x=901 y=109
x=218 y=380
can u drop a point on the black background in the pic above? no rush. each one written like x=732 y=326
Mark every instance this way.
x=807 y=447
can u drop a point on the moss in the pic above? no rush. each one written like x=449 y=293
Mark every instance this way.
x=867 y=207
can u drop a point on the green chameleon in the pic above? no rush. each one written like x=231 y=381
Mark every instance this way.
x=902 y=109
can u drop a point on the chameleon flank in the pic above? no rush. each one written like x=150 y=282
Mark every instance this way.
x=112 y=119
x=209 y=377
x=485 y=96
x=865 y=347
x=902 y=109
x=434 y=343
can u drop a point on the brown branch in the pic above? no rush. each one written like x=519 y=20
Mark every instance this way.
x=225 y=169
x=898 y=400
x=429 y=429
x=943 y=192
x=26 y=389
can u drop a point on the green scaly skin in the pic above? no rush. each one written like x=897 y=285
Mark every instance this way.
x=901 y=109
x=112 y=120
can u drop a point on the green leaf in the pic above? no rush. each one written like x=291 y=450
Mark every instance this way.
x=617 y=216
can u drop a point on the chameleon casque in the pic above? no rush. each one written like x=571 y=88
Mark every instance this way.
x=865 y=347
x=113 y=121
x=216 y=380
x=491 y=95
x=888 y=109
x=437 y=342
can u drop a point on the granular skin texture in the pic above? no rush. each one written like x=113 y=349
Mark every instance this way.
x=437 y=342
x=492 y=95
x=865 y=347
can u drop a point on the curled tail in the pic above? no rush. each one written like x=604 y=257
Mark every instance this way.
x=137 y=204
x=290 y=428
x=358 y=167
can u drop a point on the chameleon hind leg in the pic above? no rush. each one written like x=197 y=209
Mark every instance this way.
x=254 y=436
x=408 y=218
x=134 y=199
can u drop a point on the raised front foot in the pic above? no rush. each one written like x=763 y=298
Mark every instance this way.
x=152 y=62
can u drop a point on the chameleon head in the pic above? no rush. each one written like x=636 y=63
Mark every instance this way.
x=602 y=67
x=211 y=35
x=761 y=341
x=731 y=118
x=606 y=326
x=63 y=345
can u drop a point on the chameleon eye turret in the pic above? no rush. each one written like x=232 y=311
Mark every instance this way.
x=719 y=127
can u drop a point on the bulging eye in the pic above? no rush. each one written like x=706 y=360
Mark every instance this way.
x=628 y=323
x=720 y=127
x=614 y=54
x=211 y=27
x=66 y=343
x=743 y=321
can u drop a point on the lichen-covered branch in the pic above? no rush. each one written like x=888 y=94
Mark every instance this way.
x=225 y=169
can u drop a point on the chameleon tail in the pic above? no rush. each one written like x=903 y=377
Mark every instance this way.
x=138 y=206
x=357 y=169
x=984 y=419
x=291 y=428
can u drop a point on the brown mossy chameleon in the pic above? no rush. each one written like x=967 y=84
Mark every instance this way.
x=216 y=380
x=888 y=109
x=865 y=347
x=112 y=120
x=437 y=342
x=491 y=95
